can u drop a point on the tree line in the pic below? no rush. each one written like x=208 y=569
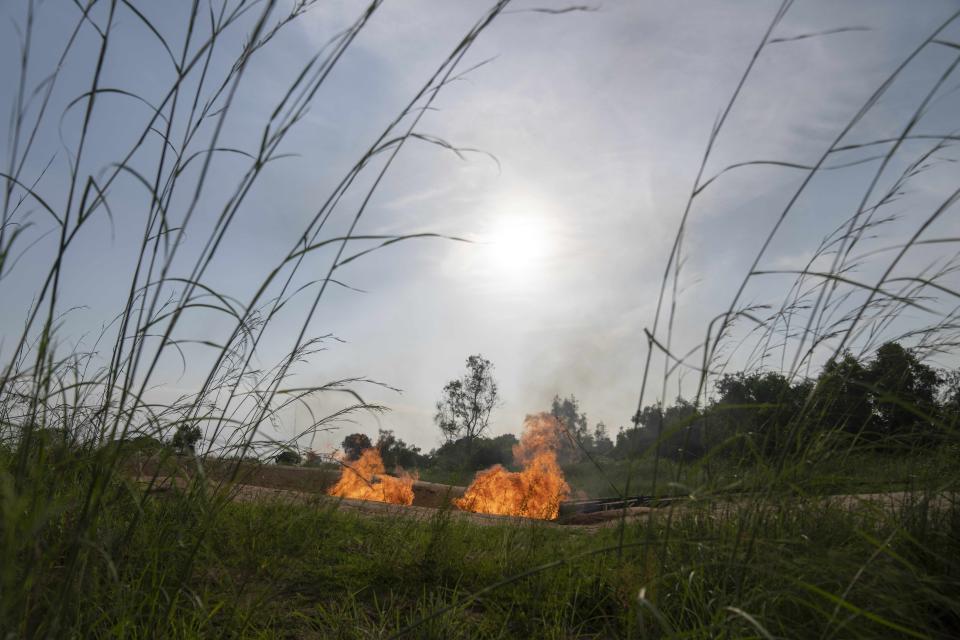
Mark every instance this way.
x=463 y=417
x=891 y=402
x=886 y=403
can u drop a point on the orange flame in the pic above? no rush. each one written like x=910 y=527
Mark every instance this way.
x=534 y=492
x=366 y=479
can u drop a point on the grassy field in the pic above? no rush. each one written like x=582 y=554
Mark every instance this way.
x=197 y=567
x=856 y=472
x=193 y=564
x=353 y=578
x=755 y=552
x=307 y=573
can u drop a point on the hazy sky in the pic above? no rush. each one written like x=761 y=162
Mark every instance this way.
x=597 y=120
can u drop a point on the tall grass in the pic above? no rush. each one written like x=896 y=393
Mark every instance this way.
x=72 y=523
x=88 y=552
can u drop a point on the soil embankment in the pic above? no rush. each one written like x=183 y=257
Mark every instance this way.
x=300 y=485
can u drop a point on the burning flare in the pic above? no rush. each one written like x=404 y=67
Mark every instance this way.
x=534 y=492
x=366 y=479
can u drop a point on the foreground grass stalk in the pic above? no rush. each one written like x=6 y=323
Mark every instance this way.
x=793 y=506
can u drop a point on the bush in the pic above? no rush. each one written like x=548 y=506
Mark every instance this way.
x=287 y=457
x=482 y=453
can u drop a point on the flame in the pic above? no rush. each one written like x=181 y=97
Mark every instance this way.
x=366 y=479
x=534 y=492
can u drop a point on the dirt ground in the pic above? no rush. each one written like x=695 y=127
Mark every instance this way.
x=308 y=486
x=429 y=498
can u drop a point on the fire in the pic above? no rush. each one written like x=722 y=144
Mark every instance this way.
x=366 y=479
x=534 y=492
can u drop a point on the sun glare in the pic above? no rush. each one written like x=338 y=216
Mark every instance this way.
x=518 y=245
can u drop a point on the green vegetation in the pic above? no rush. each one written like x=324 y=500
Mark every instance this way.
x=894 y=403
x=463 y=412
x=805 y=571
x=88 y=549
x=354 y=444
x=195 y=567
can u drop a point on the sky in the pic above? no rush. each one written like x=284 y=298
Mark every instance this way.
x=583 y=133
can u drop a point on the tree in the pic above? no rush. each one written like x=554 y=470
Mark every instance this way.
x=485 y=453
x=498 y=450
x=576 y=435
x=949 y=392
x=675 y=432
x=397 y=453
x=355 y=444
x=842 y=396
x=601 y=439
x=684 y=435
x=766 y=408
x=949 y=399
x=636 y=440
x=186 y=438
x=287 y=457
x=904 y=391
x=465 y=408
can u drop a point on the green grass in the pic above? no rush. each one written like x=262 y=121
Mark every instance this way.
x=193 y=565
x=270 y=570
x=837 y=472
x=586 y=480
x=84 y=553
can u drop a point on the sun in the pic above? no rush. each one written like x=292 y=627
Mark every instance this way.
x=518 y=245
